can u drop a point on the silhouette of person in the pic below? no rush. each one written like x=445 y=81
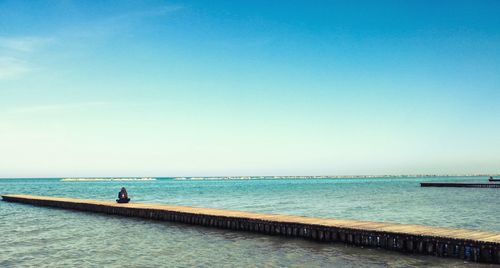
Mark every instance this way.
x=123 y=196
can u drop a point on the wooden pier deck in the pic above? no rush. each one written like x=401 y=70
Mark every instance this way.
x=476 y=246
x=460 y=184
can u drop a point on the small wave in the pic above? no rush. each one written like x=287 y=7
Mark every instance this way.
x=217 y=178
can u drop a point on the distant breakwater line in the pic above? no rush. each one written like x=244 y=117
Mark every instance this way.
x=109 y=179
x=476 y=246
x=328 y=177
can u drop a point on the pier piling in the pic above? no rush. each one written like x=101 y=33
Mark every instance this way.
x=470 y=245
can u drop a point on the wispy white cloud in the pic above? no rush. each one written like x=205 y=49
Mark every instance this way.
x=23 y=44
x=78 y=106
x=16 y=52
x=65 y=107
x=242 y=43
x=12 y=68
x=156 y=12
x=118 y=23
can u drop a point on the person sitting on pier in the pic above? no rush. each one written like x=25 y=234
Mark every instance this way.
x=123 y=196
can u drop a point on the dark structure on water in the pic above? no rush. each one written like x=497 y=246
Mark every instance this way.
x=460 y=184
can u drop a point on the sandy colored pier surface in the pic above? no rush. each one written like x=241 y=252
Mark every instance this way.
x=472 y=245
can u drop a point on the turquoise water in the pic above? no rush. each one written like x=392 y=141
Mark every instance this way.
x=66 y=238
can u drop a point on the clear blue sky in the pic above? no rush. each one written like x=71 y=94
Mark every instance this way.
x=192 y=88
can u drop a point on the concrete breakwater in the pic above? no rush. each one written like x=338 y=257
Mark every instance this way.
x=469 y=245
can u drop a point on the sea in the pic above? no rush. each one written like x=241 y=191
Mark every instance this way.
x=47 y=237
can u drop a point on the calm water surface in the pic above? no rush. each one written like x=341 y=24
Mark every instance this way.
x=35 y=236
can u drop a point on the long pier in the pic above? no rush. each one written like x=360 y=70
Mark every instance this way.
x=470 y=245
x=460 y=184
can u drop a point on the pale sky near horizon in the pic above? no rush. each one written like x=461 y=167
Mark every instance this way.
x=207 y=88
